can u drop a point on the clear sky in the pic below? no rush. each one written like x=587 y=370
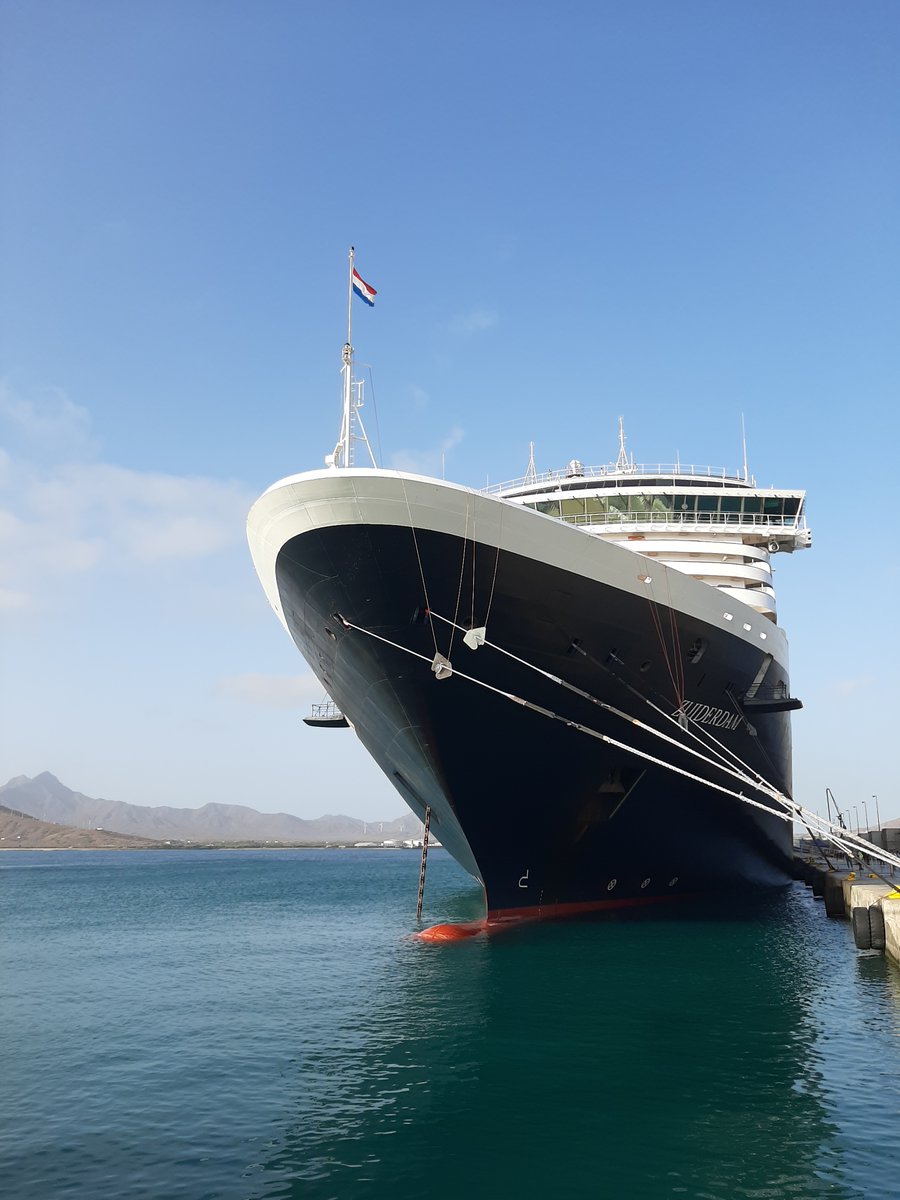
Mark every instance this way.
x=679 y=211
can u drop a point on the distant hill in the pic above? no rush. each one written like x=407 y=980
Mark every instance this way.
x=21 y=832
x=48 y=800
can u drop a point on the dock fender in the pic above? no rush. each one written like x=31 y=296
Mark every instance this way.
x=833 y=896
x=876 y=927
x=862 y=933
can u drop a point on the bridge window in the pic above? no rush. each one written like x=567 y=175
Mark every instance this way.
x=572 y=509
x=773 y=507
x=730 y=508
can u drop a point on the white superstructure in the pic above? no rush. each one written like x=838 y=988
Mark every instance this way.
x=717 y=527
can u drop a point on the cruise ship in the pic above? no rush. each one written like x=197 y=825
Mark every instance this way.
x=577 y=676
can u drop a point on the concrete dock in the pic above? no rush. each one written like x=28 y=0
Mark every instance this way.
x=847 y=892
x=870 y=893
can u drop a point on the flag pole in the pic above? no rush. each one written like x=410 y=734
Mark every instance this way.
x=344 y=452
x=350 y=298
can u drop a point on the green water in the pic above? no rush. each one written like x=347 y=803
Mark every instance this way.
x=260 y=1025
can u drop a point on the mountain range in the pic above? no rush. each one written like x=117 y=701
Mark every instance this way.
x=21 y=832
x=46 y=799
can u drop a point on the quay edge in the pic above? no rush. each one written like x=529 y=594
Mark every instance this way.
x=845 y=891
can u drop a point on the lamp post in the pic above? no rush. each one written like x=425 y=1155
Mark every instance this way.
x=877 y=814
x=866 y=811
x=856 y=810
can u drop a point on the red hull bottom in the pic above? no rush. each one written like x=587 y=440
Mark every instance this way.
x=504 y=918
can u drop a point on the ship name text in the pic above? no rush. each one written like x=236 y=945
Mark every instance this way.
x=707 y=714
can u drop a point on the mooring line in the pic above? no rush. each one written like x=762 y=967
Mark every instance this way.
x=585 y=729
x=746 y=775
x=790 y=811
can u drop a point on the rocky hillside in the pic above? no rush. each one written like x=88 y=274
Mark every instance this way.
x=21 y=832
x=46 y=799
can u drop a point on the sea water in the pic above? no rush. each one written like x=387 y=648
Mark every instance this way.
x=260 y=1024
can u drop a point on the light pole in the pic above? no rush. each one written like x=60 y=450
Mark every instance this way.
x=866 y=811
x=877 y=814
x=856 y=810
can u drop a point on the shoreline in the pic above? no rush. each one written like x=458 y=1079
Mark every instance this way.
x=223 y=846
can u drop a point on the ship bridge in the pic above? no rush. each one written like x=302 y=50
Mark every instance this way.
x=718 y=527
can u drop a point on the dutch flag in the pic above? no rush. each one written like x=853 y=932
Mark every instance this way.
x=363 y=289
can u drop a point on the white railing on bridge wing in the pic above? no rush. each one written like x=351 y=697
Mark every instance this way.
x=667 y=471
x=677 y=520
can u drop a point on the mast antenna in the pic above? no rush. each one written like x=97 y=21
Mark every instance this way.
x=744 y=443
x=531 y=473
x=622 y=461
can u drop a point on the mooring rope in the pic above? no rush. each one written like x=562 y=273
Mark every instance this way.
x=576 y=725
x=657 y=625
x=791 y=810
x=462 y=576
x=412 y=530
x=487 y=615
x=745 y=775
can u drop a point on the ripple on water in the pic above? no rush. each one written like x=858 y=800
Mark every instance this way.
x=261 y=1025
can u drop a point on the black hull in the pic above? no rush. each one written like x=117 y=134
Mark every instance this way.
x=551 y=819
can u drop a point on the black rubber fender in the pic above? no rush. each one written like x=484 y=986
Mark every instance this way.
x=862 y=933
x=834 y=897
x=876 y=927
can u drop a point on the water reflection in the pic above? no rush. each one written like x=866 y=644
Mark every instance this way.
x=879 y=981
x=642 y=1057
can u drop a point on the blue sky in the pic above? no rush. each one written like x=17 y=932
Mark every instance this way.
x=679 y=212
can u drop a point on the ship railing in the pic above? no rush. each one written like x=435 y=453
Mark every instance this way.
x=777 y=691
x=327 y=711
x=736 y=522
x=666 y=471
